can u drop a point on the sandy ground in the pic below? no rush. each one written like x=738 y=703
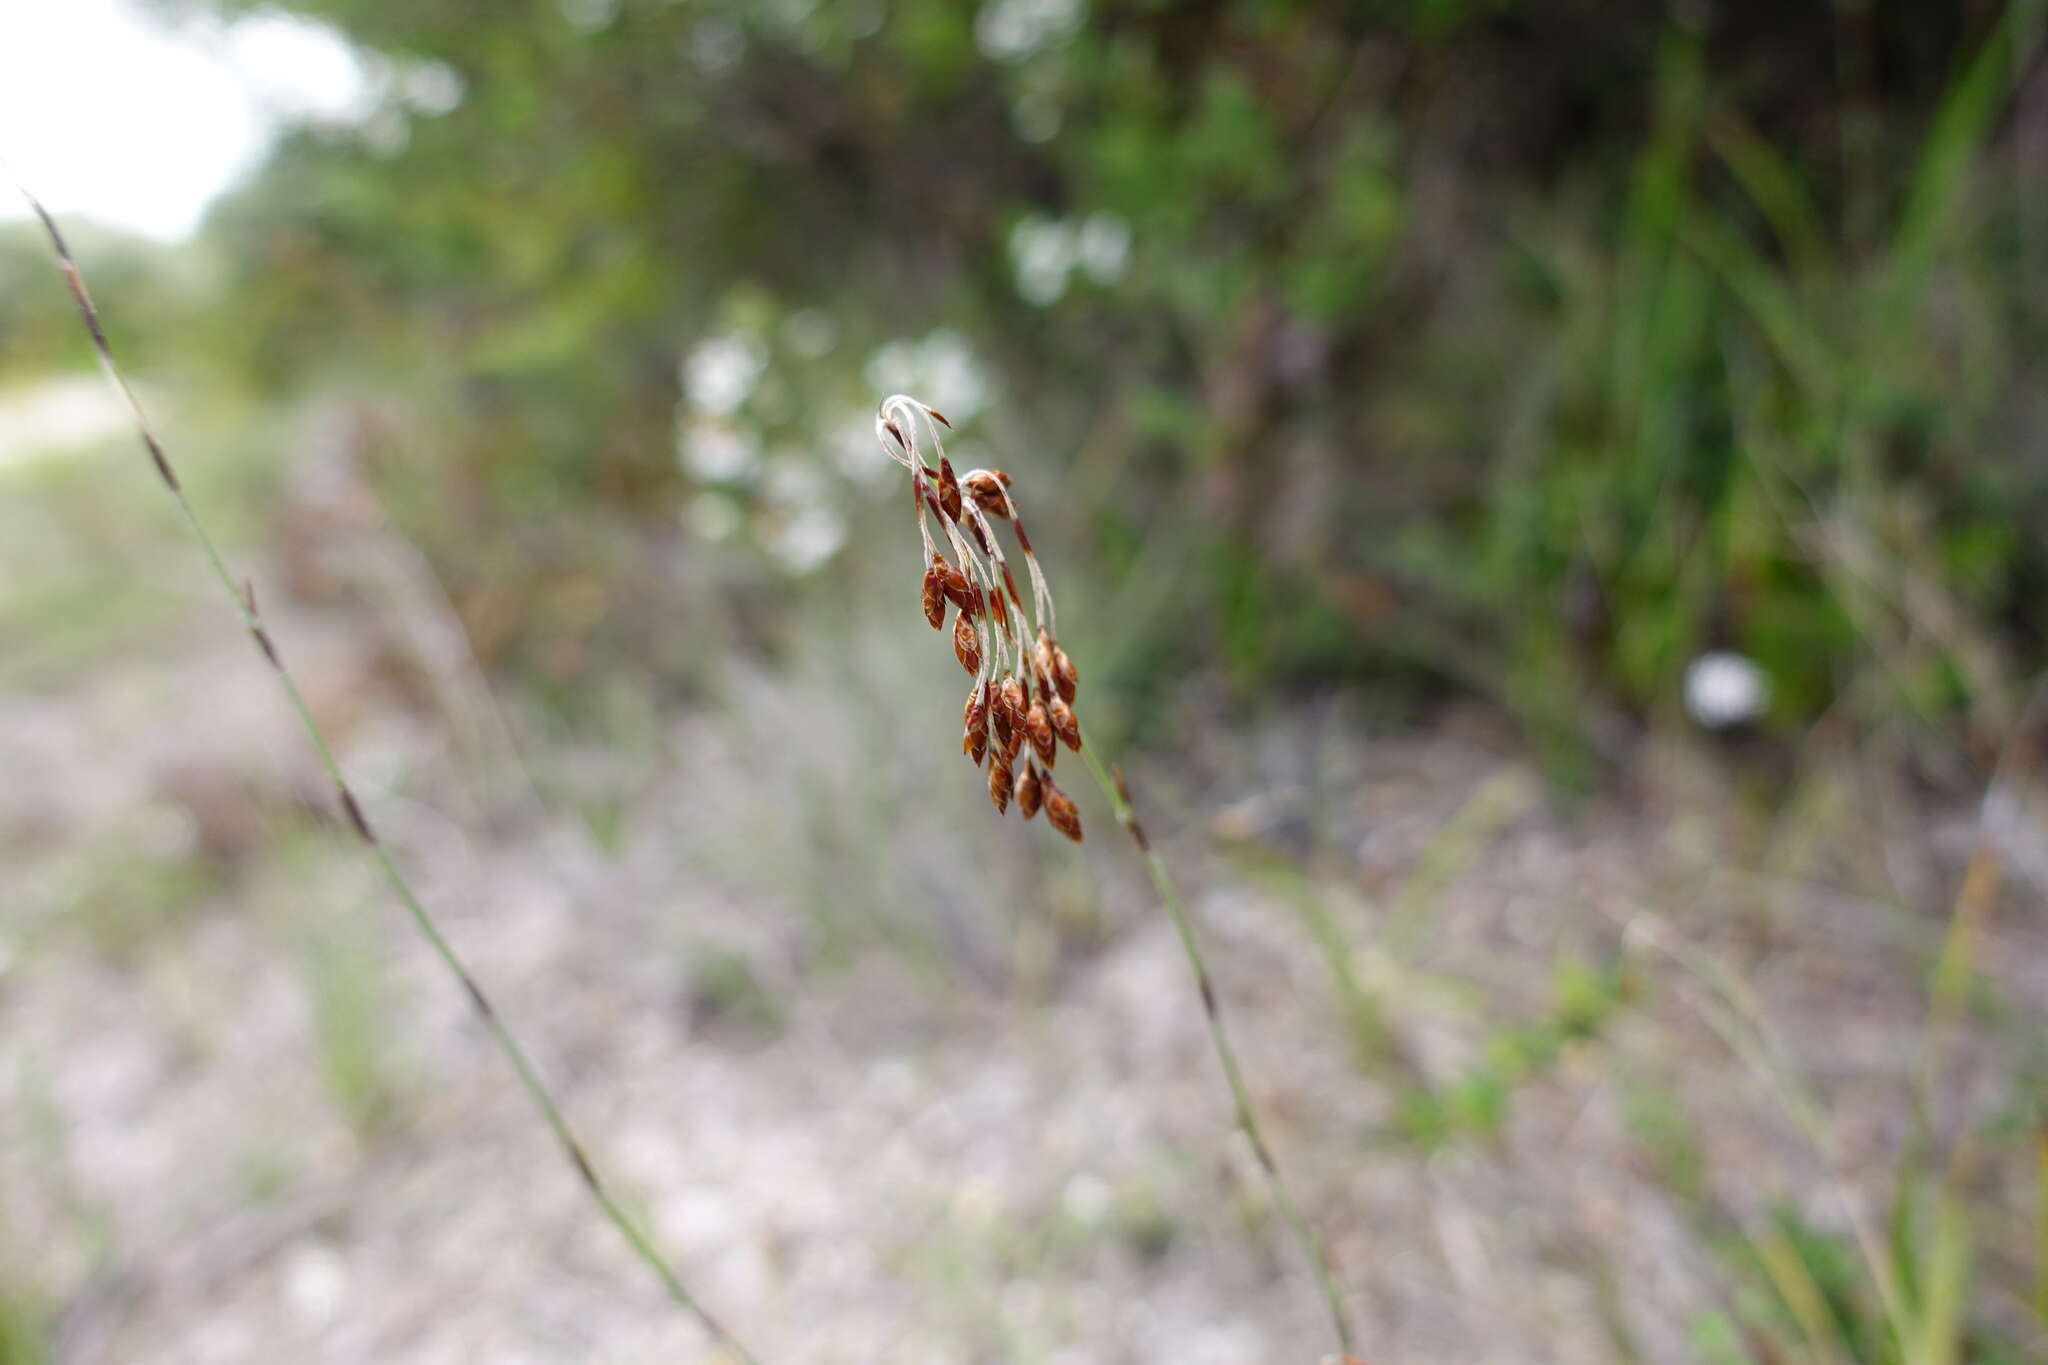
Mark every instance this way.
x=246 y=1118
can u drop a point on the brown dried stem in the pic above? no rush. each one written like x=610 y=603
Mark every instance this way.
x=244 y=598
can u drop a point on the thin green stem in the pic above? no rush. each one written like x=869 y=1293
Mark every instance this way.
x=245 y=604
x=1117 y=794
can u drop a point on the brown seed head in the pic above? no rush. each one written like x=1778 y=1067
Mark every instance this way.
x=1028 y=791
x=1038 y=728
x=1010 y=698
x=1059 y=810
x=1064 y=724
x=975 y=715
x=1043 y=654
x=949 y=490
x=934 y=596
x=1006 y=708
x=999 y=783
x=966 y=646
x=974 y=743
x=1063 y=675
x=955 y=585
x=985 y=486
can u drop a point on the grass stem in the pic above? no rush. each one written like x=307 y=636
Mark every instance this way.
x=1117 y=793
x=244 y=598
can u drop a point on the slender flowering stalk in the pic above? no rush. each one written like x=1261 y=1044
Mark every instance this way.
x=1032 y=703
x=1024 y=683
x=244 y=597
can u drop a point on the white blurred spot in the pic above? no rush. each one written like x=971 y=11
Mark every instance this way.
x=1724 y=688
x=714 y=452
x=431 y=88
x=1042 y=253
x=942 y=369
x=316 y=1282
x=719 y=374
x=716 y=45
x=1086 y=1198
x=1011 y=30
x=1103 y=246
x=109 y=111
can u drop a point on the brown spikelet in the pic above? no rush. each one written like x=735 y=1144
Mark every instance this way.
x=1059 y=809
x=975 y=714
x=949 y=490
x=938 y=417
x=999 y=783
x=1029 y=791
x=1064 y=724
x=985 y=486
x=1043 y=656
x=999 y=611
x=1014 y=743
x=966 y=646
x=1064 y=677
x=974 y=723
x=954 y=584
x=1038 y=729
x=934 y=596
x=897 y=432
x=1006 y=708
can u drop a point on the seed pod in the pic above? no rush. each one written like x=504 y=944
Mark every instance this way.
x=986 y=486
x=934 y=596
x=1064 y=724
x=966 y=645
x=1006 y=708
x=949 y=490
x=975 y=715
x=1028 y=791
x=1000 y=715
x=955 y=584
x=1043 y=656
x=1038 y=728
x=999 y=783
x=1063 y=675
x=1059 y=810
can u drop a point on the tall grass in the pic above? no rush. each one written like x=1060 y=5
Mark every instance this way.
x=243 y=598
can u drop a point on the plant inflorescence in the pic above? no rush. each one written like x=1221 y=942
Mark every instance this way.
x=1032 y=702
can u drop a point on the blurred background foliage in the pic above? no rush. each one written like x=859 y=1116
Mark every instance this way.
x=1511 y=348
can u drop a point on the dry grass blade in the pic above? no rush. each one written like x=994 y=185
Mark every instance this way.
x=244 y=599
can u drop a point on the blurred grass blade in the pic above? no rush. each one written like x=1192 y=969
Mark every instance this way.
x=243 y=598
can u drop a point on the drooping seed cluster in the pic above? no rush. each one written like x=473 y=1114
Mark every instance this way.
x=1021 y=706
